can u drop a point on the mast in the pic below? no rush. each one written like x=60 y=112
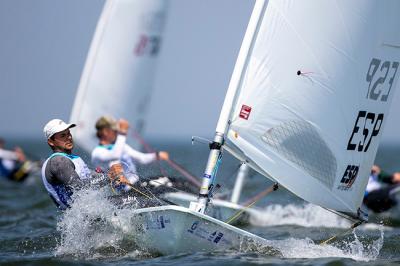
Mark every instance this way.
x=215 y=155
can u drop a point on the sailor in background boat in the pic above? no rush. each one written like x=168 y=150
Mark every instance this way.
x=13 y=164
x=113 y=152
x=381 y=189
x=63 y=172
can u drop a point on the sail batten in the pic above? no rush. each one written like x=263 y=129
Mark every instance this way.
x=314 y=95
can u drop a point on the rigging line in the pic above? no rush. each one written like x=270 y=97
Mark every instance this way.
x=135 y=189
x=240 y=212
x=339 y=214
x=142 y=193
x=159 y=199
x=154 y=196
x=342 y=233
x=184 y=172
x=137 y=136
x=172 y=163
x=268 y=190
x=262 y=194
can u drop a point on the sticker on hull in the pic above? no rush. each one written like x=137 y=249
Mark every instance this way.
x=203 y=233
x=157 y=224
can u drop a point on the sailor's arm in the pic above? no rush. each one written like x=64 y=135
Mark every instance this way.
x=145 y=158
x=62 y=169
x=8 y=155
x=389 y=178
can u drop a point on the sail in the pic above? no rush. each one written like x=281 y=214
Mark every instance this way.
x=119 y=71
x=313 y=95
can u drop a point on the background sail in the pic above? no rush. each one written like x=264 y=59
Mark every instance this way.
x=117 y=78
x=315 y=93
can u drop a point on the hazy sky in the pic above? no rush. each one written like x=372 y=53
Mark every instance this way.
x=43 y=49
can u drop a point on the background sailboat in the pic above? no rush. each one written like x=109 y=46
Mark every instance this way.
x=120 y=67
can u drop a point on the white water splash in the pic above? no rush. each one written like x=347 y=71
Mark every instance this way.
x=94 y=227
x=307 y=215
x=306 y=248
x=374 y=226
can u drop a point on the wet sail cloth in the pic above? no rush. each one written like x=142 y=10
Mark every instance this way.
x=60 y=192
x=314 y=95
x=120 y=67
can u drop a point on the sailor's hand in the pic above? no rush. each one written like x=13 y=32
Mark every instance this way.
x=375 y=170
x=122 y=180
x=123 y=126
x=20 y=154
x=162 y=155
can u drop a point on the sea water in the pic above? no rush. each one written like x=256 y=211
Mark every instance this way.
x=95 y=232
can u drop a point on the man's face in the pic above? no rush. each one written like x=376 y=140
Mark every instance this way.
x=62 y=141
x=109 y=135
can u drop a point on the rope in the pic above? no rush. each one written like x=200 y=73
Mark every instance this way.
x=132 y=187
x=147 y=147
x=239 y=213
x=160 y=200
x=342 y=233
x=151 y=193
x=185 y=173
x=256 y=198
x=173 y=164
x=261 y=194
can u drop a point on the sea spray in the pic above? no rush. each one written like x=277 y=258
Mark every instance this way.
x=365 y=247
x=359 y=250
x=307 y=215
x=95 y=227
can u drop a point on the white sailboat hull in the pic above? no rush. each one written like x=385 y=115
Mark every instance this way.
x=172 y=229
x=220 y=209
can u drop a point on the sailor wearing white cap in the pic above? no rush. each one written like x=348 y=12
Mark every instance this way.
x=62 y=171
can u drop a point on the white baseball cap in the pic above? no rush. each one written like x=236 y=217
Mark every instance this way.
x=54 y=126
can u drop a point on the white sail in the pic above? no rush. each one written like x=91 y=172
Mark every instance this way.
x=313 y=95
x=120 y=67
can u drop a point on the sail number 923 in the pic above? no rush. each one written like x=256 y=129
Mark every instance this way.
x=367 y=127
x=380 y=78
